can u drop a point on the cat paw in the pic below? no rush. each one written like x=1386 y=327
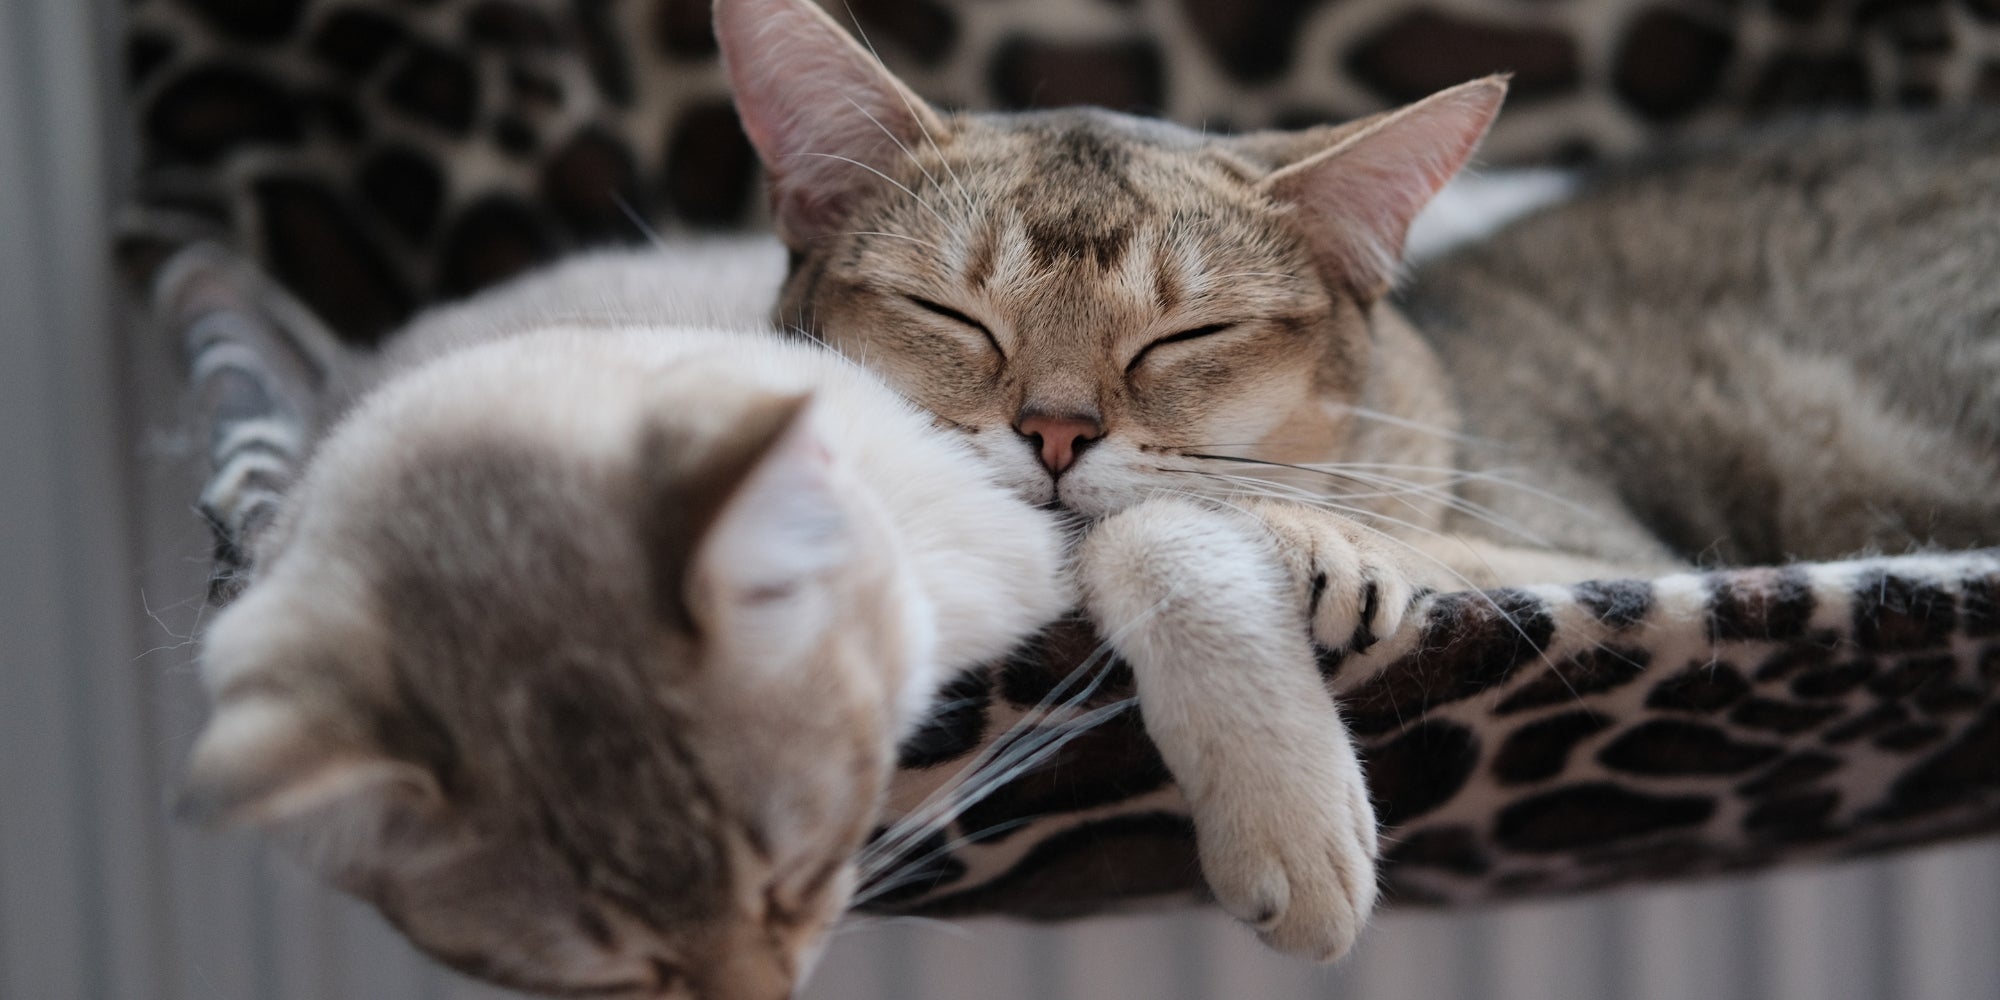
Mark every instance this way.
x=1295 y=858
x=1357 y=586
x=1358 y=595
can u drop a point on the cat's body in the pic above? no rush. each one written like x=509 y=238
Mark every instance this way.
x=583 y=643
x=1190 y=337
x=1785 y=347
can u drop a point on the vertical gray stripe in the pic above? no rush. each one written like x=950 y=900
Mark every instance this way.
x=56 y=534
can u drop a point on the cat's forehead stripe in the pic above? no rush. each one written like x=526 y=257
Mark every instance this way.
x=1166 y=278
x=982 y=253
x=1058 y=241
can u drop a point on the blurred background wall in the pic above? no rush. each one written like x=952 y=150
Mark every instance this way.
x=102 y=897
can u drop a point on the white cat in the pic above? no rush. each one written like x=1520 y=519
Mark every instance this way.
x=583 y=644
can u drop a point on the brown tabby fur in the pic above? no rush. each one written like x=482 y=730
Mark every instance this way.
x=1710 y=368
x=1095 y=235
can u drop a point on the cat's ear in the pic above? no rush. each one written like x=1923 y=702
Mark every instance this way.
x=827 y=119
x=1356 y=198
x=757 y=521
x=264 y=375
x=262 y=762
x=254 y=352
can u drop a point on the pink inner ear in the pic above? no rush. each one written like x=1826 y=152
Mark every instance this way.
x=1358 y=198
x=827 y=119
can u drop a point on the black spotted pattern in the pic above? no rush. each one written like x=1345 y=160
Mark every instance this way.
x=1670 y=63
x=1674 y=748
x=355 y=40
x=1251 y=39
x=1980 y=604
x=1784 y=717
x=1541 y=749
x=406 y=188
x=1911 y=675
x=1943 y=698
x=953 y=727
x=598 y=42
x=1815 y=651
x=1804 y=816
x=592 y=186
x=1910 y=736
x=924 y=31
x=1833 y=681
x=1110 y=763
x=1594 y=671
x=1867 y=723
x=1419 y=770
x=1619 y=604
x=1898 y=614
x=1033 y=673
x=1455 y=849
x=494 y=239
x=436 y=86
x=145 y=53
x=1065 y=875
x=1124 y=75
x=682 y=29
x=1772 y=605
x=260 y=22
x=1590 y=814
x=313 y=244
x=509 y=24
x=710 y=166
x=1469 y=644
x=1789 y=773
x=1701 y=687
x=1969 y=765
x=212 y=109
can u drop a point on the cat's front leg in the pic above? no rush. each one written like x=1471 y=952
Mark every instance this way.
x=1204 y=603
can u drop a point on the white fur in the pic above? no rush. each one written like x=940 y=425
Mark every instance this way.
x=1198 y=600
x=987 y=566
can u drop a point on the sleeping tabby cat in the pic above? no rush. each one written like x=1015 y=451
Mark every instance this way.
x=1191 y=337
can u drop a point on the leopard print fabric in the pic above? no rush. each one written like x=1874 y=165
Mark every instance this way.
x=380 y=155
x=1537 y=741
x=1517 y=742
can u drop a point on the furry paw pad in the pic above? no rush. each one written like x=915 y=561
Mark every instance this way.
x=1292 y=853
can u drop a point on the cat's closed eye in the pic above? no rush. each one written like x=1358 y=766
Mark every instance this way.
x=1175 y=338
x=940 y=309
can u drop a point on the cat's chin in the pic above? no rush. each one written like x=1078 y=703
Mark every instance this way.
x=1093 y=498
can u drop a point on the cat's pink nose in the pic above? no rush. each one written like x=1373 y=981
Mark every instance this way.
x=1059 y=439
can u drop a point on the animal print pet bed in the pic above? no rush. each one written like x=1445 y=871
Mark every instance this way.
x=379 y=155
x=1517 y=742
x=374 y=156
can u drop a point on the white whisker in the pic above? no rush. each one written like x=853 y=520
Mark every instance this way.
x=963 y=194
x=645 y=228
x=1022 y=739
x=899 y=185
x=912 y=157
